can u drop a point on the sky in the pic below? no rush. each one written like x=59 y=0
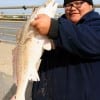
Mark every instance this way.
x=5 y=3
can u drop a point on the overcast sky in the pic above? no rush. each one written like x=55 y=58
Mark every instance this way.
x=30 y=2
x=27 y=2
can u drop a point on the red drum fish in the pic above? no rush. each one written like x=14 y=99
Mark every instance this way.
x=29 y=49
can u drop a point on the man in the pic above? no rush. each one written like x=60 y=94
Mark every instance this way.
x=72 y=70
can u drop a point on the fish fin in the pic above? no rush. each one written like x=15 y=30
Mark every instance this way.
x=34 y=74
x=38 y=64
x=47 y=45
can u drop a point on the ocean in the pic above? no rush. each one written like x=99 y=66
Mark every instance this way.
x=9 y=29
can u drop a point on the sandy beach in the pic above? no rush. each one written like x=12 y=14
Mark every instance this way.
x=6 y=79
x=7 y=86
x=6 y=57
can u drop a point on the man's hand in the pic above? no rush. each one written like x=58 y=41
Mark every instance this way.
x=42 y=24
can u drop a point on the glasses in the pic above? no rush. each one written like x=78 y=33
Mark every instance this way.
x=76 y=4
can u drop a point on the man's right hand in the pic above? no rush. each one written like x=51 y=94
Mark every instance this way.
x=42 y=24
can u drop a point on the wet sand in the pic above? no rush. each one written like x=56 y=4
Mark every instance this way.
x=6 y=79
x=7 y=86
x=6 y=57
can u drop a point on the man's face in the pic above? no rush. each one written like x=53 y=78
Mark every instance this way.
x=76 y=10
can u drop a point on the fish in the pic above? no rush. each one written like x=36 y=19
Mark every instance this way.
x=29 y=48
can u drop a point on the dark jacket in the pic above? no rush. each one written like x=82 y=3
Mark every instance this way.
x=72 y=70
